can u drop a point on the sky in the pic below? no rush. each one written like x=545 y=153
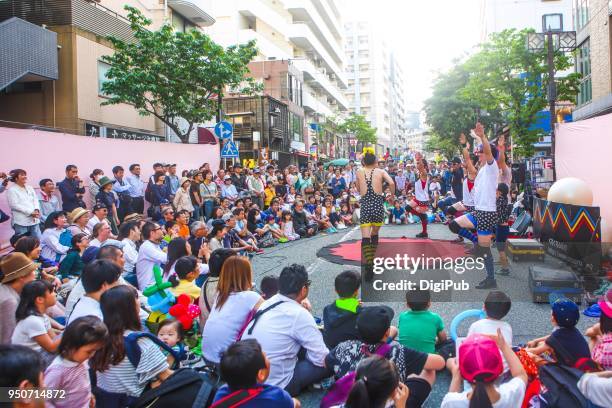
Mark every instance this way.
x=426 y=36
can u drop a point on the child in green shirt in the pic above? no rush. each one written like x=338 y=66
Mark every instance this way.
x=420 y=329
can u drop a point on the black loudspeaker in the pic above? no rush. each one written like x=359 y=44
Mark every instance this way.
x=518 y=172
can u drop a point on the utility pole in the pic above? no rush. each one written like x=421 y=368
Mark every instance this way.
x=552 y=96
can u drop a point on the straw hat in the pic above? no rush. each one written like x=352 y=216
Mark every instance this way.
x=183 y=181
x=16 y=265
x=133 y=217
x=76 y=214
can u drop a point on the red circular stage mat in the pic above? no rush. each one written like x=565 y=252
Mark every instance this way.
x=349 y=252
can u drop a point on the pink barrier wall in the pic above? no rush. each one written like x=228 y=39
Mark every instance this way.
x=46 y=154
x=584 y=150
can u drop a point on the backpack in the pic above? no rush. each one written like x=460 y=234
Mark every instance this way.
x=560 y=387
x=149 y=192
x=339 y=392
x=184 y=388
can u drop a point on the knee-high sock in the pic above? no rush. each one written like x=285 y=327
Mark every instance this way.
x=465 y=233
x=487 y=255
x=367 y=259
x=423 y=218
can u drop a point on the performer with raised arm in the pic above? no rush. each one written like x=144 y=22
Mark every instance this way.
x=420 y=203
x=504 y=208
x=370 y=180
x=467 y=204
x=484 y=218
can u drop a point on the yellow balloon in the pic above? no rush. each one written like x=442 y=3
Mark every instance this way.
x=571 y=190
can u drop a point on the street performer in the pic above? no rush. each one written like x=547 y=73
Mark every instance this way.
x=370 y=180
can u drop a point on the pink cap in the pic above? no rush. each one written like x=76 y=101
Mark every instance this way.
x=605 y=304
x=480 y=357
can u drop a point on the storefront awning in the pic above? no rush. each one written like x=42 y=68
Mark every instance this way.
x=205 y=136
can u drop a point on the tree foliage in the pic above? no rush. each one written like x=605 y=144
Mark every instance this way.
x=174 y=76
x=505 y=79
x=358 y=126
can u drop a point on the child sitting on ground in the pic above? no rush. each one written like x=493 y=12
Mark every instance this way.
x=419 y=328
x=268 y=287
x=600 y=334
x=565 y=343
x=340 y=317
x=398 y=214
x=245 y=368
x=187 y=270
x=69 y=371
x=34 y=328
x=480 y=364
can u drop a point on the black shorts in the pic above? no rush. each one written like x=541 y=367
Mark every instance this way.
x=484 y=221
x=419 y=391
x=501 y=236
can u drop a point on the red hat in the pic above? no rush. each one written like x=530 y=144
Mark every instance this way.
x=605 y=304
x=479 y=358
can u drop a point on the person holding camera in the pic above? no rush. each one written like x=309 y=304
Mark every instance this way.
x=24 y=205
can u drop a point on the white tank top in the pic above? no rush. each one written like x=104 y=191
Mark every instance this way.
x=420 y=193
x=485 y=187
x=468 y=196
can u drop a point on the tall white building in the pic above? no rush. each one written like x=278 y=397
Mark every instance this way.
x=375 y=83
x=307 y=32
x=498 y=15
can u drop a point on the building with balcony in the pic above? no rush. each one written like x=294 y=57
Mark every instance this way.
x=375 y=83
x=593 y=19
x=54 y=75
x=307 y=33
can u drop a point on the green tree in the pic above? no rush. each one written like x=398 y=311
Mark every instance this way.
x=506 y=76
x=449 y=114
x=174 y=76
x=358 y=126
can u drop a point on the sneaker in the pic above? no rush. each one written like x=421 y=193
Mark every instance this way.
x=422 y=235
x=487 y=284
x=503 y=272
x=259 y=251
x=282 y=240
x=341 y=226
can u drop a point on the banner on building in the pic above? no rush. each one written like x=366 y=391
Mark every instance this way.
x=569 y=232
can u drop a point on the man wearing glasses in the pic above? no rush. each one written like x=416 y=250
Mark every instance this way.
x=149 y=254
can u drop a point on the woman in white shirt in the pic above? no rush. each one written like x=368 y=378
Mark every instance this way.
x=55 y=241
x=129 y=234
x=232 y=306
x=182 y=199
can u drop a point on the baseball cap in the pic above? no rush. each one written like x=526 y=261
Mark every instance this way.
x=99 y=207
x=605 y=304
x=565 y=312
x=456 y=160
x=256 y=170
x=227 y=178
x=227 y=216
x=373 y=322
x=479 y=358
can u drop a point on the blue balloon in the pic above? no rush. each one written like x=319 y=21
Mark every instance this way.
x=479 y=313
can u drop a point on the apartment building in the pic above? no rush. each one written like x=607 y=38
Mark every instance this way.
x=308 y=34
x=54 y=71
x=376 y=83
x=593 y=19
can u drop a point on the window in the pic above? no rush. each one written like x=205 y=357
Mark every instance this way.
x=581 y=13
x=583 y=66
x=296 y=127
x=103 y=68
x=180 y=23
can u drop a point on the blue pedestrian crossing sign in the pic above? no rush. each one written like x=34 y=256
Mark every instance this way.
x=229 y=150
x=224 y=130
